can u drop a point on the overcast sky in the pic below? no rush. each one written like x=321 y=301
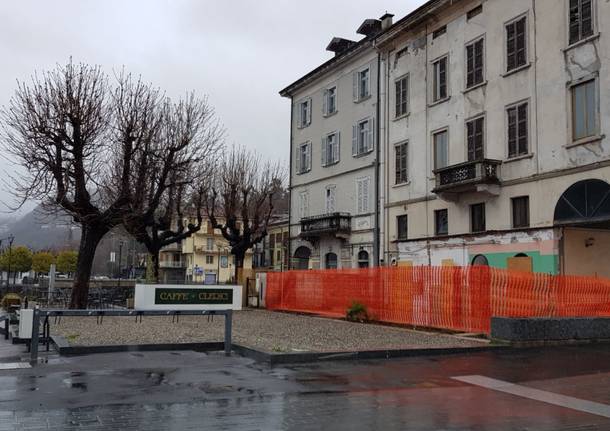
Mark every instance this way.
x=240 y=53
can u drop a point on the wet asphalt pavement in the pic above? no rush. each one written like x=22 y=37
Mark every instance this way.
x=565 y=388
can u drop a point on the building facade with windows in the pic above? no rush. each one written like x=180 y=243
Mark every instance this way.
x=334 y=157
x=204 y=257
x=478 y=135
x=494 y=123
x=271 y=254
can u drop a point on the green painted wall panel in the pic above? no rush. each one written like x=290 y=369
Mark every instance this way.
x=543 y=263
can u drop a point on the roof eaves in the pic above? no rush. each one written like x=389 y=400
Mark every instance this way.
x=314 y=74
x=411 y=20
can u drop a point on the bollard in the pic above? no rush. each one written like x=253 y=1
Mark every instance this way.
x=35 y=334
x=7 y=322
x=228 y=328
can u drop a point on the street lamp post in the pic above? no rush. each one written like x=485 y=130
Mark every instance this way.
x=218 y=264
x=11 y=238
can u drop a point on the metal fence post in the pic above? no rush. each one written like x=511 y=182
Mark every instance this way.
x=228 y=329
x=34 y=339
x=7 y=322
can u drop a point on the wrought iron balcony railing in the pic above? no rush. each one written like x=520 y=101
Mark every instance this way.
x=172 y=264
x=466 y=176
x=326 y=224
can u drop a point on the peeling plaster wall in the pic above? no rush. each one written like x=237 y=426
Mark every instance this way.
x=554 y=162
x=541 y=245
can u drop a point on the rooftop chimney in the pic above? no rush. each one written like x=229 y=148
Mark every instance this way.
x=338 y=45
x=386 y=21
x=369 y=27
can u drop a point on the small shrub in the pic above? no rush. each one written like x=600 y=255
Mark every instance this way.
x=357 y=312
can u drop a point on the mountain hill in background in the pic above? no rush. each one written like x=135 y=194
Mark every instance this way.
x=39 y=230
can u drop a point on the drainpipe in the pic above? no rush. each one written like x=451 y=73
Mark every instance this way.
x=289 y=245
x=377 y=239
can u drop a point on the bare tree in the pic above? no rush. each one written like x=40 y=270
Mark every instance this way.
x=76 y=137
x=169 y=206
x=240 y=203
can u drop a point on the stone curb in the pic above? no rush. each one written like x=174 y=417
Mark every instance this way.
x=62 y=346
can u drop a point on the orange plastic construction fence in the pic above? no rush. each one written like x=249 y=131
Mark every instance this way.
x=455 y=298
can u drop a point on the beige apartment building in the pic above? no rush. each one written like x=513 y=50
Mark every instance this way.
x=494 y=135
x=205 y=257
x=489 y=140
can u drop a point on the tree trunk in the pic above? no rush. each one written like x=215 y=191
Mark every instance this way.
x=90 y=238
x=239 y=265
x=154 y=257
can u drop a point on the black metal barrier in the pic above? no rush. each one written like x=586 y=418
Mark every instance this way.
x=99 y=314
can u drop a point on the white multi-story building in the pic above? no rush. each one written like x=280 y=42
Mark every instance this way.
x=492 y=123
x=334 y=156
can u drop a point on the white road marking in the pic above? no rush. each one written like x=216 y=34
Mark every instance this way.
x=538 y=395
x=14 y=365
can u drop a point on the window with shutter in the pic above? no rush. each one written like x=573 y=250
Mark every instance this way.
x=475 y=63
x=304 y=113
x=325 y=103
x=477 y=218
x=331 y=101
x=303 y=161
x=363 y=195
x=401 y=163
x=324 y=151
x=298 y=160
x=441 y=149
x=308 y=157
x=516 y=44
x=521 y=211
x=517 y=117
x=401 y=87
x=330 y=149
x=402 y=227
x=581 y=20
x=363 y=84
x=370 y=140
x=330 y=199
x=304 y=204
x=440 y=79
x=363 y=137
x=441 y=222
x=585 y=111
x=475 y=136
x=337 y=148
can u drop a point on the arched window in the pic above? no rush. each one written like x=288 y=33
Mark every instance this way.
x=363 y=259
x=586 y=201
x=301 y=257
x=480 y=260
x=521 y=255
x=331 y=261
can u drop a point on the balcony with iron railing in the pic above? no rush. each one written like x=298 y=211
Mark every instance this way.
x=335 y=224
x=172 y=264
x=475 y=176
x=176 y=246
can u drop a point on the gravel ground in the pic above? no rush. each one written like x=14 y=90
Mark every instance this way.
x=260 y=329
